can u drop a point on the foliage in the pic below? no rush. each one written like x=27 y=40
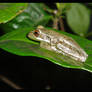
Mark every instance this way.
x=16 y=27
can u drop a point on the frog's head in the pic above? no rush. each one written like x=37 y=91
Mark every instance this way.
x=37 y=34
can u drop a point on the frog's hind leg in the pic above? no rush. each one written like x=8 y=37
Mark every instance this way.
x=45 y=45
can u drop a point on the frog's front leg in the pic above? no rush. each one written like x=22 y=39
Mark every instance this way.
x=45 y=45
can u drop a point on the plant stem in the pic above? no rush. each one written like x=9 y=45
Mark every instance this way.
x=59 y=13
x=61 y=24
x=49 y=10
x=55 y=23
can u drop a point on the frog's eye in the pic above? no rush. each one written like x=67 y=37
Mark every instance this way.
x=36 y=33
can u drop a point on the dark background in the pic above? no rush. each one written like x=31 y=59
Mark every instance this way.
x=40 y=74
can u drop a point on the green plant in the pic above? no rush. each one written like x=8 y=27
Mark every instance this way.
x=19 y=19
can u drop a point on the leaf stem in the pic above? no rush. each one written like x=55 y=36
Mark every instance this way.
x=55 y=23
x=59 y=13
x=49 y=10
x=61 y=24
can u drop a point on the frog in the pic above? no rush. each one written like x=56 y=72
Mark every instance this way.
x=58 y=43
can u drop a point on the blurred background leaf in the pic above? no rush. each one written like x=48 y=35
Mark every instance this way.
x=33 y=15
x=10 y=10
x=78 y=18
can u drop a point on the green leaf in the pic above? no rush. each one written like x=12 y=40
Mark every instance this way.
x=10 y=10
x=33 y=15
x=62 y=6
x=78 y=18
x=17 y=42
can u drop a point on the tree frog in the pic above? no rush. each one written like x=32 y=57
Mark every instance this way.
x=58 y=43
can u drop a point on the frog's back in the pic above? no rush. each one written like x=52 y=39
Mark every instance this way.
x=74 y=50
